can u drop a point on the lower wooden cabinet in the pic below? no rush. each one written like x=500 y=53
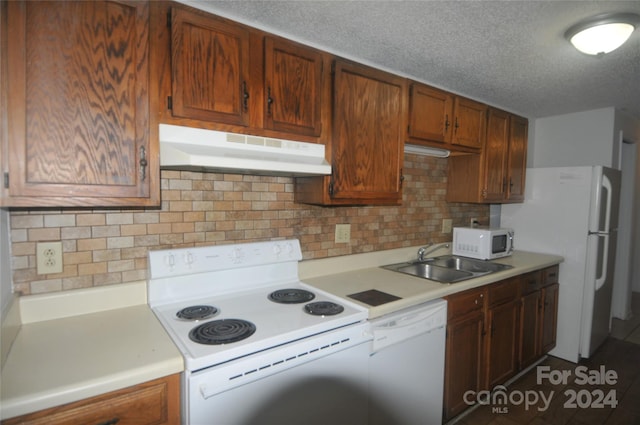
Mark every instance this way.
x=465 y=333
x=495 y=331
x=155 y=402
x=502 y=332
x=549 y=317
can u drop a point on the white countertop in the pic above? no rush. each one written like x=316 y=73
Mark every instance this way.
x=412 y=290
x=61 y=357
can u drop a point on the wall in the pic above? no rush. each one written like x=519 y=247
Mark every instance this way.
x=627 y=129
x=581 y=138
x=102 y=247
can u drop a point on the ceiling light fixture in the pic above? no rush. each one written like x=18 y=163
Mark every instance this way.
x=602 y=33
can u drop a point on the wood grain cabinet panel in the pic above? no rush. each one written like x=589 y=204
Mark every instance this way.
x=209 y=68
x=463 y=365
x=293 y=87
x=497 y=173
x=78 y=108
x=441 y=119
x=468 y=123
x=549 y=317
x=464 y=370
x=530 y=319
x=501 y=343
x=366 y=148
x=430 y=115
x=151 y=403
x=494 y=332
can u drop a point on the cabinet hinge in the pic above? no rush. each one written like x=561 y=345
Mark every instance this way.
x=6 y=180
x=169 y=103
x=333 y=68
x=169 y=19
x=331 y=189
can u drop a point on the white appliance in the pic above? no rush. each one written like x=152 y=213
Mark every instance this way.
x=573 y=212
x=407 y=366
x=187 y=148
x=260 y=346
x=482 y=243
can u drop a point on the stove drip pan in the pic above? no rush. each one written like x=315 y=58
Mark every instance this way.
x=291 y=296
x=323 y=308
x=224 y=331
x=197 y=312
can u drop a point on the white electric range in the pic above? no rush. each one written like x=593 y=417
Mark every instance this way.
x=258 y=344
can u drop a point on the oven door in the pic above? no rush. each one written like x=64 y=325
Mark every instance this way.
x=316 y=381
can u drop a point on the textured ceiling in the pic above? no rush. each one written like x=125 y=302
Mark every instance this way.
x=510 y=54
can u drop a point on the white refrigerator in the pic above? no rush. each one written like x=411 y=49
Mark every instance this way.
x=573 y=212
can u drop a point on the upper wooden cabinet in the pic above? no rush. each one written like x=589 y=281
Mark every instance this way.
x=293 y=87
x=469 y=123
x=230 y=77
x=366 y=148
x=209 y=68
x=497 y=174
x=441 y=119
x=77 y=114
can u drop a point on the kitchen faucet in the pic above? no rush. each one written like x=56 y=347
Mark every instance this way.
x=422 y=252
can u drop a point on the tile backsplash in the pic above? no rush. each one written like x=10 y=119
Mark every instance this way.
x=103 y=247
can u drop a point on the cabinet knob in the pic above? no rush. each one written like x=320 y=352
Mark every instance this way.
x=269 y=101
x=245 y=96
x=143 y=163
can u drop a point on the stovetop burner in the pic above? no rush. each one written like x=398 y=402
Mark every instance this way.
x=291 y=296
x=223 y=331
x=323 y=308
x=197 y=312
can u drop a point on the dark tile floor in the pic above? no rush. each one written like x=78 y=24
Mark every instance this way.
x=573 y=402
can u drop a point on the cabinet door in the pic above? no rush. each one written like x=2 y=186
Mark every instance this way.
x=517 y=159
x=495 y=152
x=430 y=114
x=78 y=108
x=209 y=68
x=549 y=317
x=293 y=87
x=530 y=308
x=368 y=135
x=502 y=331
x=469 y=123
x=462 y=362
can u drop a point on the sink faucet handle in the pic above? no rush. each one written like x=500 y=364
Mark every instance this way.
x=422 y=251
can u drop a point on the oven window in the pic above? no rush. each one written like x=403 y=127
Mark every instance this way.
x=499 y=244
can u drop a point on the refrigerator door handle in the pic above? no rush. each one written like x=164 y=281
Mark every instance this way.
x=600 y=280
x=606 y=183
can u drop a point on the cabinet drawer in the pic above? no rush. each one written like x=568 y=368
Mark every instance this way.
x=550 y=275
x=154 y=402
x=502 y=292
x=531 y=282
x=461 y=304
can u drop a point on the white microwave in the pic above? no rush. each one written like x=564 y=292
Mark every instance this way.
x=482 y=243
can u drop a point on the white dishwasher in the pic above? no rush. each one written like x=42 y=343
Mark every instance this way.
x=407 y=366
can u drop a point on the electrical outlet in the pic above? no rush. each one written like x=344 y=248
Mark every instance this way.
x=446 y=225
x=49 y=257
x=343 y=233
x=473 y=222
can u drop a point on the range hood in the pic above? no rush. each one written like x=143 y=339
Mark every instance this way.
x=426 y=151
x=187 y=148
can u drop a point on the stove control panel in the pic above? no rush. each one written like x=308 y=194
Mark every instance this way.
x=175 y=262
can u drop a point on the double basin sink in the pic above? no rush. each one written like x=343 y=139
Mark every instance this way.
x=447 y=268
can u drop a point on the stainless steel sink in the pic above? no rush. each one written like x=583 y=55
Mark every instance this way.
x=448 y=268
